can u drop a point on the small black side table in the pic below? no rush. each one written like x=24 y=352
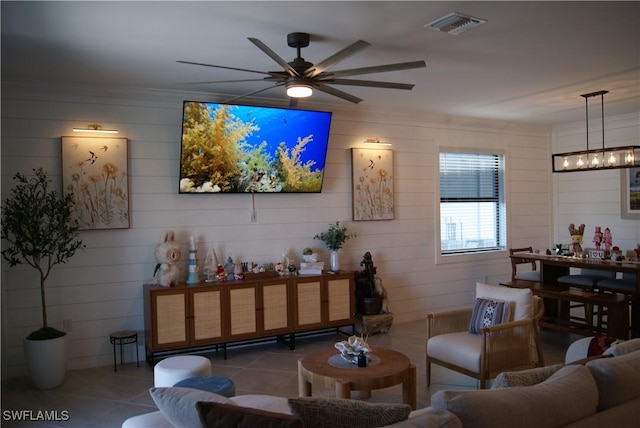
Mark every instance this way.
x=123 y=338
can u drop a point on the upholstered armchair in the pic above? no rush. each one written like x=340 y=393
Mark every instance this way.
x=510 y=345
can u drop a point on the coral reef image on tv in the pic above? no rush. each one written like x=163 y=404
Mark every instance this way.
x=229 y=148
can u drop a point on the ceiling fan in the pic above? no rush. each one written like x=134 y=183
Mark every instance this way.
x=300 y=77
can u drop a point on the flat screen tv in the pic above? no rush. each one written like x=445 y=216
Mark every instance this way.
x=230 y=148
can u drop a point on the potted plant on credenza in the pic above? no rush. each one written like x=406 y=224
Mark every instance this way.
x=334 y=238
x=38 y=229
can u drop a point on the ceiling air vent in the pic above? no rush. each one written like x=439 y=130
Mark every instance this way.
x=455 y=23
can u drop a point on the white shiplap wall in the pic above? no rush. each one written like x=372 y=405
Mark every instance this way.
x=100 y=289
x=593 y=198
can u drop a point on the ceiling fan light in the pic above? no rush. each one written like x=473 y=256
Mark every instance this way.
x=299 y=90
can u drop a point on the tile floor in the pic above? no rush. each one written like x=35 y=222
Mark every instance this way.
x=100 y=397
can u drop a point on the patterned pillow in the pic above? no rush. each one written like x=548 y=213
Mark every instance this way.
x=215 y=415
x=178 y=404
x=521 y=299
x=343 y=413
x=528 y=377
x=488 y=312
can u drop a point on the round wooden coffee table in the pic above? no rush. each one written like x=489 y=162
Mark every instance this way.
x=390 y=368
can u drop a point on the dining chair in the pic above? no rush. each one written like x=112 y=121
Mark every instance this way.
x=532 y=274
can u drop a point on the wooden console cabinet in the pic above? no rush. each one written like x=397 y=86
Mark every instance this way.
x=321 y=302
x=206 y=315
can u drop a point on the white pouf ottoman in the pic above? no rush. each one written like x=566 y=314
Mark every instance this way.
x=172 y=370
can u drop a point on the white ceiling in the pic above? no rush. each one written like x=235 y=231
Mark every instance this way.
x=529 y=63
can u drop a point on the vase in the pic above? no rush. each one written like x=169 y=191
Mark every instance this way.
x=335 y=261
x=47 y=361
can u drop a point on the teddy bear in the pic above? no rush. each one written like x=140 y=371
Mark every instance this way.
x=168 y=255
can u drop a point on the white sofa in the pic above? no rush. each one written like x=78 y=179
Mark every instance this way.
x=603 y=392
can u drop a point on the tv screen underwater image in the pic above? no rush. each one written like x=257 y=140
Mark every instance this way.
x=229 y=148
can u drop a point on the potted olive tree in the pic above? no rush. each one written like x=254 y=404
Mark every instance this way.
x=334 y=238
x=39 y=231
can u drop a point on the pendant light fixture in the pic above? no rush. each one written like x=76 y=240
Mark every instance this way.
x=596 y=159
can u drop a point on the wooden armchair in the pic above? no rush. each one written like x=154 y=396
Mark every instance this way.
x=509 y=346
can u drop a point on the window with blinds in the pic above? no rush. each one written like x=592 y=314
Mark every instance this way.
x=472 y=203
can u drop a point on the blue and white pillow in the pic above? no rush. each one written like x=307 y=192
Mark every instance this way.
x=488 y=312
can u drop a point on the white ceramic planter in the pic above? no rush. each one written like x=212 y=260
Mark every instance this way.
x=46 y=361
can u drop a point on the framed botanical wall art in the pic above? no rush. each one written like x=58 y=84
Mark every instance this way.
x=630 y=192
x=372 y=184
x=95 y=171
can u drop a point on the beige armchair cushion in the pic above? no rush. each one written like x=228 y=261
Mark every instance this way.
x=521 y=297
x=467 y=349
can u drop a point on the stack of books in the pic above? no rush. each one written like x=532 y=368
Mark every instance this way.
x=313 y=268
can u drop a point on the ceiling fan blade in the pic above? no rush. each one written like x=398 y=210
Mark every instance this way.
x=274 y=56
x=370 y=83
x=376 y=69
x=336 y=58
x=223 y=66
x=252 y=92
x=225 y=81
x=336 y=92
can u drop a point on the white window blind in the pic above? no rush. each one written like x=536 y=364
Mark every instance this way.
x=472 y=205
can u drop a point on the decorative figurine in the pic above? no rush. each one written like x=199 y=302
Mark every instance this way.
x=616 y=254
x=222 y=275
x=576 y=239
x=237 y=272
x=371 y=297
x=229 y=266
x=597 y=237
x=607 y=240
x=167 y=255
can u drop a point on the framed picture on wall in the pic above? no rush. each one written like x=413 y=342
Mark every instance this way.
x=95 y=171
x=630 y=192
x=372 y=184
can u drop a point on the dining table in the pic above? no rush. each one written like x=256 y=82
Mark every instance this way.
x=554 y=266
